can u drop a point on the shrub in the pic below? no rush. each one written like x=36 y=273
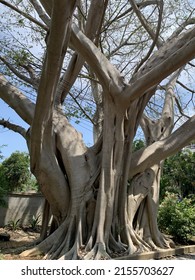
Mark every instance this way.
x=34 y=221
x=15 y=174
x=13 y=224
x=3 y=202
x=178 y=174
x=15 y=171
x=177 y=217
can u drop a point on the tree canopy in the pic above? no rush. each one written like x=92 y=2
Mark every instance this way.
x=125 y=67
x=178 y=174
x=15 y=174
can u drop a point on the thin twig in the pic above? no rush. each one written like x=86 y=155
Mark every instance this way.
x=43 y=26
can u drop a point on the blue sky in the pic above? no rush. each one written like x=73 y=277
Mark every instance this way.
x=15 y=142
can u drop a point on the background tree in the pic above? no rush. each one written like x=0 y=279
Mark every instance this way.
x=112 y=62
x=2 y=190
x=15 y=173
x=178 y=174
x=1 y=156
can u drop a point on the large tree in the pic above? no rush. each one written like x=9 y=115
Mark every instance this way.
x=123 y=55
x=15 y=173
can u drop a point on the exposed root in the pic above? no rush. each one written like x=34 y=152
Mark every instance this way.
x=135 y=242
x=168 y=242
x=69 y=239
x=117 y=246
x=73 y=254
x=34 y=252
x=98 y=252
x=63 y=248
x=153 y=246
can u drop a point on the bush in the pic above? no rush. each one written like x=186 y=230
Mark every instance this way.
x=176 y=217
x=2 y=190
x=178 y=174
x=13 y=224
x=3 y=194
x=34 y=221
x=15 y=174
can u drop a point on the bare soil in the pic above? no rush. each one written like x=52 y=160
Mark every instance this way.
x=23 y=239
x=20 y=240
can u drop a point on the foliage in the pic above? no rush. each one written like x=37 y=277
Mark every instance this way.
x=178 y=174
x=3 y=192
x=1 y=154
x=14 y=224
x=34 y=221
x=177 y=217
x=15 y=174
x=138 y=144
x=114 y=62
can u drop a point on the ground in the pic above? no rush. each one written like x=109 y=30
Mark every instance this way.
x=20 y=240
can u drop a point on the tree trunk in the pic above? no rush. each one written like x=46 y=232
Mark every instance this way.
x=143 y=193
x=93 y=212
x=98 y=211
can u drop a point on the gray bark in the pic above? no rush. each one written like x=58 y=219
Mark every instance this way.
x=93 y=206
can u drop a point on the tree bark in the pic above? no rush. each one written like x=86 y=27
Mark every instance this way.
x=103 y=199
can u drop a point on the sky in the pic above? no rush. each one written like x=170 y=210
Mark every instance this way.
x=15 y=142
x=12 y=141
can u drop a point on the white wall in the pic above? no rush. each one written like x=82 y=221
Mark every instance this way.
x=23 y=207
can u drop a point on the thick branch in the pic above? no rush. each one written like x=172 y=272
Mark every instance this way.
x=93 y=25
x=47 y=4
x=108 y=75
x=57 y=44
x=165 y=61
x=16 y=128
x=162 y=127
x=40 y=12
x=16 y=100
x=160 y=150
x=168 y=108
